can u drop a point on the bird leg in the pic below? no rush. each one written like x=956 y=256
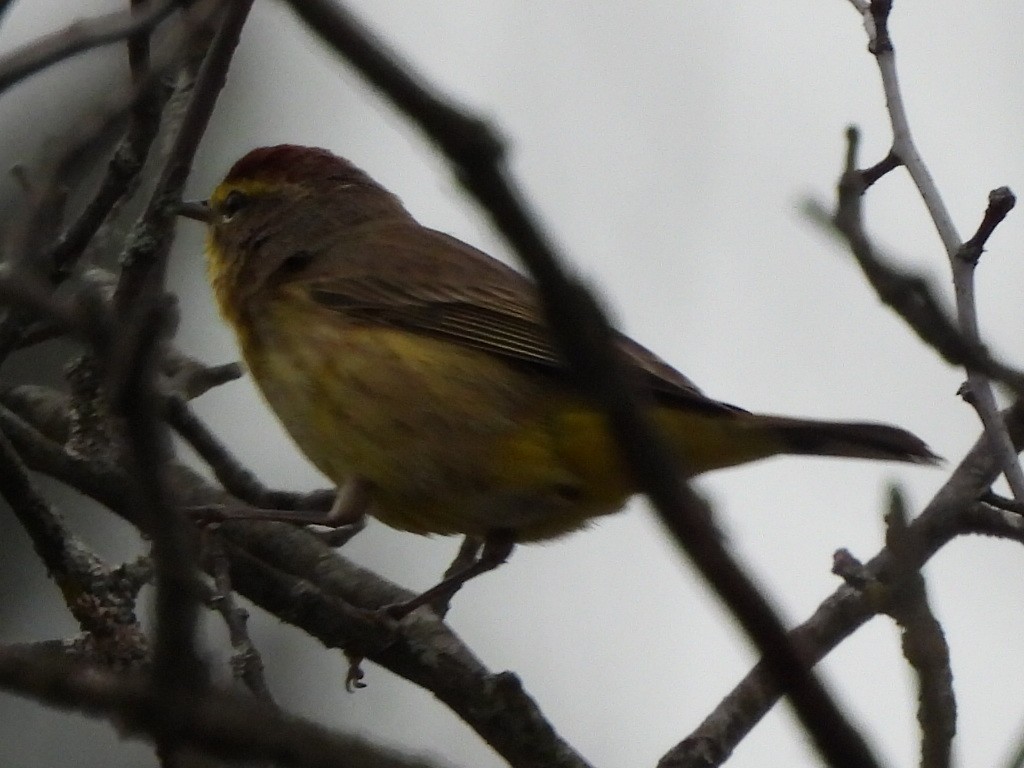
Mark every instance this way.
x=496 y=548
x=346 y=517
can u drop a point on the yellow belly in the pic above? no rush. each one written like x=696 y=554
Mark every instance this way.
x=452 y=439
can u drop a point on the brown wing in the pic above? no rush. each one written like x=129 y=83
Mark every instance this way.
x=447 y=289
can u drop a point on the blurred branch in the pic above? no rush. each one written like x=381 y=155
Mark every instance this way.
x=954 y=511
x=131 y=367
x=54 y=544
x=178 y=670
x=5 y=6
x=144 y=261
x=1017 y=759
x=219 y=723
x=292 y=574
x=82 y=36
x=34 y=232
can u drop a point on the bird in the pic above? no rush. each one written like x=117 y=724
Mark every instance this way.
x=420 y=376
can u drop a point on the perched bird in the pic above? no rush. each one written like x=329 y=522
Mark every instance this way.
x=418 y=374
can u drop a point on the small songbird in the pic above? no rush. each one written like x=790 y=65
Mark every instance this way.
x=417 y=373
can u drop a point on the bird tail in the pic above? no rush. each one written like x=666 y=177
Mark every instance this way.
x=852 y=439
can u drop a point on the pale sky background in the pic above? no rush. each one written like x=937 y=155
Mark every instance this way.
x=667 y=147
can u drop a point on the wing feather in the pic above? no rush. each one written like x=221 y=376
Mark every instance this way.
x=482 y=304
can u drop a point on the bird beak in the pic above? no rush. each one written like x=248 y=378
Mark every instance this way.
x=196 y=209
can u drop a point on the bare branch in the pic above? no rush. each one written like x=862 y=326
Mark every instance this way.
x=420 y=649
x=53 y=543
x=218 y=723
x=924 y=642
x=1000 y=202
x=189 y=378
x=295 y=576
x=246 y=662
x=238 y=480
x=869 y=176
x=952 y=512
x=82 y=36
x=131 y=365
x=903 y=147
x=144 y=261
x=907 y=294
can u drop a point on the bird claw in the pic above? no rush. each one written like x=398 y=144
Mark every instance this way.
x=337 y=536
x=355 y=674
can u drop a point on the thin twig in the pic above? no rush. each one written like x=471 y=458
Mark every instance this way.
x=1010 y=505
x=1000 y=202
x=189 y=378
x=293 y=575
x=869 y=176
x=145 y=260
x=246 y=661
x=924 y=642
x=952 y=512
x=50 y=539
x=177 y=669
x=237 y=479
x=909 y=295
x=82 y=36
x=903 y=147
x=219 y=723
x=26 y=243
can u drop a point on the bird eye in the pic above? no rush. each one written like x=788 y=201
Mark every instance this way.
x=232 y=204
x=297 y=262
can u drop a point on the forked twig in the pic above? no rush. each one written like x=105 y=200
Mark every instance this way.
x=876 y=20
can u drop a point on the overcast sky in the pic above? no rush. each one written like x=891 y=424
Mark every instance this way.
x=667 y=147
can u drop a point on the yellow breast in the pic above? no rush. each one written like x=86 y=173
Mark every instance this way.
x=452 y=439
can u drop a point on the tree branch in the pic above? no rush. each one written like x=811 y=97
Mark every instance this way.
x=296 y=577
x=876 y=17
x=953 y=511
x=219 y=723
x=82 y=36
